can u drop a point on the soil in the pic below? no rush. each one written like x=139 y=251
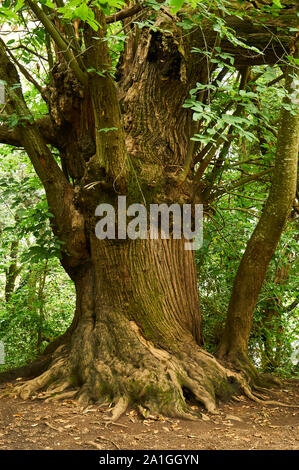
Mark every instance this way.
x=241 y=424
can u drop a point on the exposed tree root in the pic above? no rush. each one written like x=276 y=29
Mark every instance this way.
x=62 y=396
x=119 y=409
x=154 y=380
x=42 y=381
x=251 y=380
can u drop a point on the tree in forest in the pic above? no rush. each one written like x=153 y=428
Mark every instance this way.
x=131 y=121
x=262 y=244
x=274 y=326
x=36 y=300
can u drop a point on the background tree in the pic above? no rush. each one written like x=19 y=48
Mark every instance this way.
x=40 y=303
x=262 y=244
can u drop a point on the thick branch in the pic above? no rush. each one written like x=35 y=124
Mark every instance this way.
x=123 y=14
x=11 y=136
x=69 y=223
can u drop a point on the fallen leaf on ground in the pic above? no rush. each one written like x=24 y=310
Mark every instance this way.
x=235 y=418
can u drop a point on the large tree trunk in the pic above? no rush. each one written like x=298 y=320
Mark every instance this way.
x=136 y=333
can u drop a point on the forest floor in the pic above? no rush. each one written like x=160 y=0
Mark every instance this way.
x=242 y=424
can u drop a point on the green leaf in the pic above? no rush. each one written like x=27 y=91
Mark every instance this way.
x=108 y=129
x=82 y=12
x=19 y=5
x=176 y=5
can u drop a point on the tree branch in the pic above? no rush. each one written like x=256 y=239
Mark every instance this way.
x=60 y=194
x=58 y=39
x=260 y=31
x=22 y=46
x=27 y=131
x=244 y=181
x=206 y=155
x=276 y=80
x=68 y=28
x=126 y=13
x=293 y=305
x=11 y=136
x=241 y=209
x=27 y=75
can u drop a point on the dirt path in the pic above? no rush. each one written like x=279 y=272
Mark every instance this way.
x=35 y=424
